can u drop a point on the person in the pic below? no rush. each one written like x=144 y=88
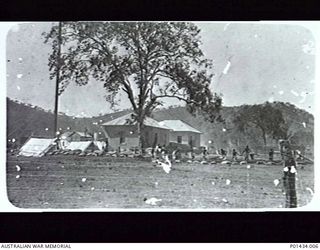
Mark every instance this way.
x=163 y=151
x=204 y=153
x=152 y=152
x=106 y=145
x=271 y=152
x=192 y=155
x=246 y=152
x=222 y=152
x=252 y=155
x=158 y=151
x=234 y=155
x=57 y=143
x=174 y=154
x=178 y=154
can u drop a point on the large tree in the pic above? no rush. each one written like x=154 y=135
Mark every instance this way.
x=264 y=117
x=149 y=61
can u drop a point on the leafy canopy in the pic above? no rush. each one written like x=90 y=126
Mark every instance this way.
x=149 y=61
x=268 y=119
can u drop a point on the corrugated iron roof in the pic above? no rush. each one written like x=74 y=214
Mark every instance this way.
x=70 y=133
x=128 y=120
x=178 y=125
x=84 y=134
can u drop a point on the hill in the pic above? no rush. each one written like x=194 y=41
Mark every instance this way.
x=24 y=120
x=225 y=135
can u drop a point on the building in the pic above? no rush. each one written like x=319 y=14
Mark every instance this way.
x=122 y=133
x=182 y=133
x=84 y=146
x=74 y=136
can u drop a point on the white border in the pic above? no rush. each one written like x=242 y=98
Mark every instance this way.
x=6 y=206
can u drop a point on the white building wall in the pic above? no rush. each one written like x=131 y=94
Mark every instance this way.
x=131 y=137
x=173 y=137
x=130 y=142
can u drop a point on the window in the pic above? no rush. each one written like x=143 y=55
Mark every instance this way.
x=122 y=138
x=179 y=139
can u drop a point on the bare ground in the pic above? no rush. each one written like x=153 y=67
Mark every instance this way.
x=56 y=182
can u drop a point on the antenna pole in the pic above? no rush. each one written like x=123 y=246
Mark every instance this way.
x=57 y=82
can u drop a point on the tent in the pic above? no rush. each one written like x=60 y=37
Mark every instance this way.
x=36 y=147
x=100 y=144
x=82 y=145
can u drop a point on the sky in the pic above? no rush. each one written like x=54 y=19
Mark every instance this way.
x=253 y=63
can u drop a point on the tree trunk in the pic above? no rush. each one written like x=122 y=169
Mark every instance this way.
x=264 y=141
x=264 y=138
x=140 y=129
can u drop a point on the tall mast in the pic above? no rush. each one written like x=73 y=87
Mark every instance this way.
x=57 y=82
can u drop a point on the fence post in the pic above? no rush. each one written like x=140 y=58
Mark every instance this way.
x=289 y=174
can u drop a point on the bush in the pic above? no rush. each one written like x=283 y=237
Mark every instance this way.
x=172 y=146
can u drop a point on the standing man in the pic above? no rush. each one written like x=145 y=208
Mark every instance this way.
x=234 y=155
x=178 y=154
x=204 y=153
x=246 y=152
x=106 y=147
x=271 y=152
x=154 y=146
x=174 y=154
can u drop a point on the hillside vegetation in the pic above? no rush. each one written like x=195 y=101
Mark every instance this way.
x=25 y=120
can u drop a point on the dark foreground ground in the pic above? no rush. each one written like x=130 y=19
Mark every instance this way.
x=56 y=182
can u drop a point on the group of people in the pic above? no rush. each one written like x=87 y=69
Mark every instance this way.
x=247 y=152
x=160 y=151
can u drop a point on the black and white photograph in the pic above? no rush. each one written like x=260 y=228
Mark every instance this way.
x=160 y=115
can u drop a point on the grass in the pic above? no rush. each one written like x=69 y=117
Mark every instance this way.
x=56 y=182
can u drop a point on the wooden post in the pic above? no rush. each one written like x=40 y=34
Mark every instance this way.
x=289 y=174
x=57 y=83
